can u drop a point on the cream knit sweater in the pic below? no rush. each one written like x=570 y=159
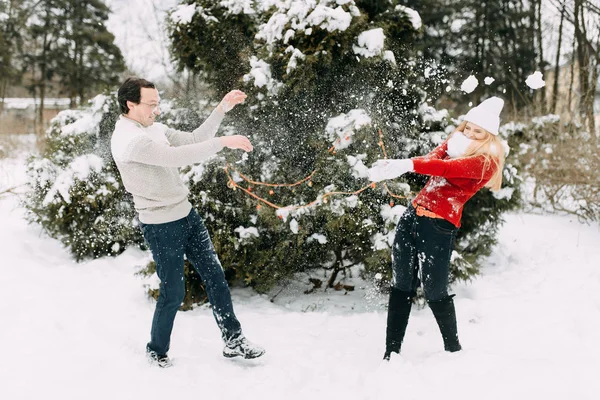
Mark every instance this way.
x=149 y=158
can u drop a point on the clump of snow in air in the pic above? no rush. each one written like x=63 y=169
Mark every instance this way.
x=535 y=80
x=488 y=80
x=370 y=43
x=469 y=84
x=342 y=128
x=414 y=16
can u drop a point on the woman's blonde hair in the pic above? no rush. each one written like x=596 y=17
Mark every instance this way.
x=493 y=150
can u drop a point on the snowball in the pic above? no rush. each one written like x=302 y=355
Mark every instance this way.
x=488 y=80
x=469 y=84
x=535 y=80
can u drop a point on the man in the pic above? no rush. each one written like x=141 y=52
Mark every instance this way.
x=148 y=156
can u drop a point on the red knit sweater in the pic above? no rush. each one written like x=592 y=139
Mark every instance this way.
x=452 y=182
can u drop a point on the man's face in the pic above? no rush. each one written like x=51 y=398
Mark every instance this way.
x=147 y=109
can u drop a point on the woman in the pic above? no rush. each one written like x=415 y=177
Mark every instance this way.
x=470 y=159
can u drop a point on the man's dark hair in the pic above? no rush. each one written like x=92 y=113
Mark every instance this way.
x=131 y=90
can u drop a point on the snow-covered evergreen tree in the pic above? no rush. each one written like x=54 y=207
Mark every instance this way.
x=325 y=79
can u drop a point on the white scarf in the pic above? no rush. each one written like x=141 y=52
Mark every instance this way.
x=458 y=145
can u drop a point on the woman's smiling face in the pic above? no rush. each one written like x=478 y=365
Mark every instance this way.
x=475 y=132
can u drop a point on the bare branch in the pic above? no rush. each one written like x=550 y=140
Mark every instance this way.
x=11 y=190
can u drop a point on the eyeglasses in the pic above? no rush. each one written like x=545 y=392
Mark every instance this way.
x=153 y=106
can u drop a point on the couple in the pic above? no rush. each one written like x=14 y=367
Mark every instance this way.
x=149 y=154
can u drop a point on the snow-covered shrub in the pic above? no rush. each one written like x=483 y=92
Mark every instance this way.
x=560 y=162
x=76 y=193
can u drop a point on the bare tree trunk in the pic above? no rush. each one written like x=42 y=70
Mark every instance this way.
x=3 y=86
x=590 y=108
x=557 y=63
x=40 y=126
x=541 y=63
x=582 y=58
x=571 y=78
x=42 y=86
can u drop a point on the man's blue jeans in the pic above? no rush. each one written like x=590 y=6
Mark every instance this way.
x=169 y=242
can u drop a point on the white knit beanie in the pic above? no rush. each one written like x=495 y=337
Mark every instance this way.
x=487 y=114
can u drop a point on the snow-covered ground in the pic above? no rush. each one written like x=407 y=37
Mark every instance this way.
x=529 y=325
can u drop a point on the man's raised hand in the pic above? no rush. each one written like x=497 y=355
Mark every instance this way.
x=237 y=142
x=232 y=99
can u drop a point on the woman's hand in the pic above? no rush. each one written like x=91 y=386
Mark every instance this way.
x=389 y=169
x=236 y=142
x=231 y=99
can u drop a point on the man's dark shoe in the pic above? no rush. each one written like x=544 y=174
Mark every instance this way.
x=239 y=346
x=154 y=358
x=387 y=355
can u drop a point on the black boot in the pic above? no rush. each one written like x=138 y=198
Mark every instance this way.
x=445 y=315
x=397 y=319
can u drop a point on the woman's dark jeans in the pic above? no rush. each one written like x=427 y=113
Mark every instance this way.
x=422 y=244
x=168 y=243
